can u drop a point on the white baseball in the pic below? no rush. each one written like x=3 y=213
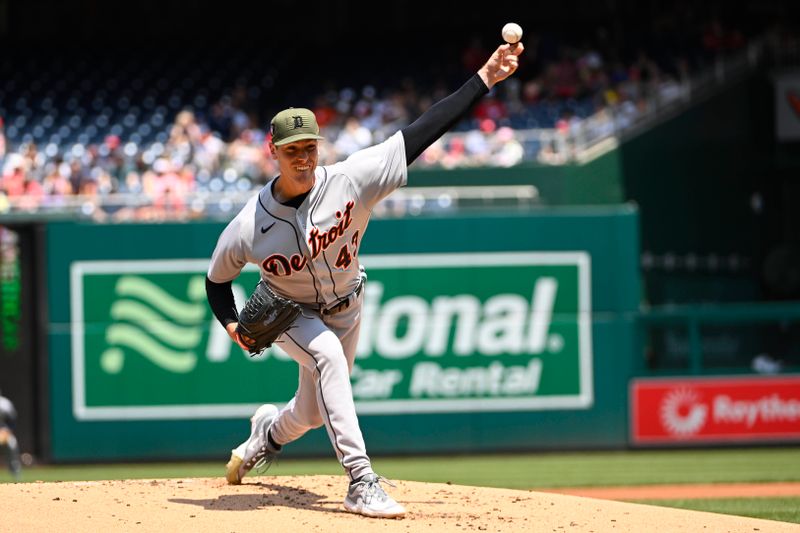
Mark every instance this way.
x=512 y=33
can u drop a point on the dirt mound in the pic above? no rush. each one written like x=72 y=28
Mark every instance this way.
x=314 y=503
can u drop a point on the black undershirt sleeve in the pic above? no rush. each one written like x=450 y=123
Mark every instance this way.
x=220 y=298
x=442 y=116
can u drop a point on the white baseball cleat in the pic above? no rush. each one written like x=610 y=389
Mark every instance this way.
x=256 y=448
x=367 y=497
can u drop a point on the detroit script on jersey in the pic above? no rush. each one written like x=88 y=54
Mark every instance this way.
x=280 y=265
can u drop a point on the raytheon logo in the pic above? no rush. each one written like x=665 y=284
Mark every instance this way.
x=682 y=413
x=717 y=408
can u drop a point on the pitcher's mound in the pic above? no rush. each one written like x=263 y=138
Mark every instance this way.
x=314 y=503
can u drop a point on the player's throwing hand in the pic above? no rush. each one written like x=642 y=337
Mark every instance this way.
x=502 y=64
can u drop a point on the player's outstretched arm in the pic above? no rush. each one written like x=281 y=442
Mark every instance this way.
x=443 y=115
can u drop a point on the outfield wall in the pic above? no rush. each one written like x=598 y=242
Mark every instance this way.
x=480 y=333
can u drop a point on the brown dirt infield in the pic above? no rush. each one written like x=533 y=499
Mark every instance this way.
x=299 y=504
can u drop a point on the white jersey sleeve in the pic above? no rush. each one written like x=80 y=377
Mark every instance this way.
x=378 y=170
x=234 y=248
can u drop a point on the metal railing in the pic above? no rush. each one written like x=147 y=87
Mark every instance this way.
x=694 y=317
x=223 y=205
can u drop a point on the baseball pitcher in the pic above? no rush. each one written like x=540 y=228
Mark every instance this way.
x=304 y=230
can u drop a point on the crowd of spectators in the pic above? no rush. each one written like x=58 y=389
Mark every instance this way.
x=565 y=90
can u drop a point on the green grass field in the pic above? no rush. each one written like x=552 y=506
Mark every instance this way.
x=783 y=509
x=524 y=471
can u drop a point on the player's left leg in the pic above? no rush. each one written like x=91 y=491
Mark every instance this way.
x=302 y=412
x=365 y=495
x=316 y=347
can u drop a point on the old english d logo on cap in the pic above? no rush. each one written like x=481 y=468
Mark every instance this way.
x=294 y=124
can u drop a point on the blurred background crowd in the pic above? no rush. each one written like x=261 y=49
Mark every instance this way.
x=120 y=136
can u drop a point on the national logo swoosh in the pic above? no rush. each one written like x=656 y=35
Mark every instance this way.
x=166 y=331
x=154 y=324
x=187 y=313
x=266 y=229
x=127 y=335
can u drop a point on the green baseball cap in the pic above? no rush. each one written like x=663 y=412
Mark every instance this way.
x=294 y=124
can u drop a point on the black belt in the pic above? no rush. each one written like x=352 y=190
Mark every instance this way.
x=345 y=302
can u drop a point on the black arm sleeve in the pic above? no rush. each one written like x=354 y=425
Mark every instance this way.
x=441 y=117
x=220 y=298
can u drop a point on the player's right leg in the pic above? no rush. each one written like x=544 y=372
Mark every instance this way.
x=301 y=414
x=256 y=448
x=298 y=416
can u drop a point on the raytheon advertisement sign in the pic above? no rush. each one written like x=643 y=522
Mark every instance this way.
x=715 y=409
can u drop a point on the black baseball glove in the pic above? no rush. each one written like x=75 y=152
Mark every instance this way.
x=264 y=317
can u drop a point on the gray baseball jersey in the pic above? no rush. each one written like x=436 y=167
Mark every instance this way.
x=310 y=255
